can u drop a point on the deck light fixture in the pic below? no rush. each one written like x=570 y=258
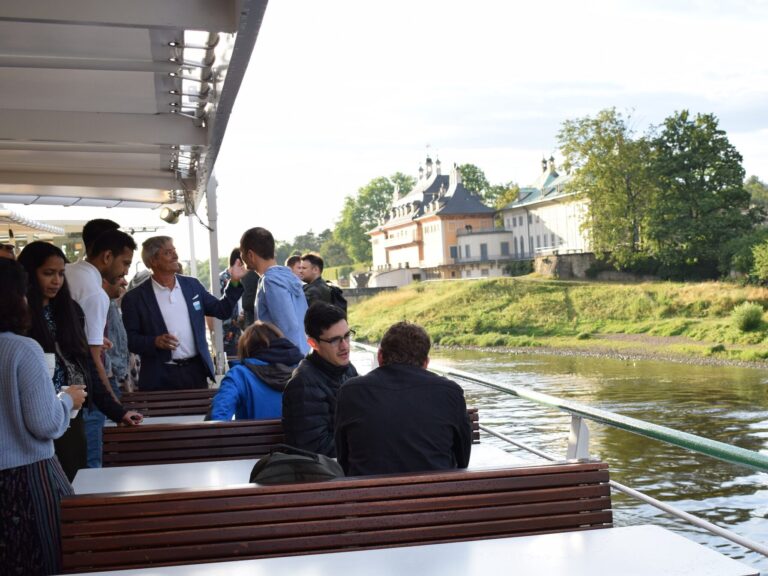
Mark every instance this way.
x=170 y=215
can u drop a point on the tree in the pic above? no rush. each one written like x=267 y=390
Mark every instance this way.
x=758 y=191
x=350 y=233
x=334 y=253
x=474 y=179
x=611 y=169
x=499 y=195
x=700 y=197
x=403 y=182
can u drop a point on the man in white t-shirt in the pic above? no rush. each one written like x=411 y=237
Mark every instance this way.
x=108 y=257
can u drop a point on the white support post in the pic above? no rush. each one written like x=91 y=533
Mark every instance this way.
x=578 y=439
x=218 y=335
x=192 y=256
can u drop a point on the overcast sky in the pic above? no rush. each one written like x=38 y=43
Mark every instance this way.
x=340 y=92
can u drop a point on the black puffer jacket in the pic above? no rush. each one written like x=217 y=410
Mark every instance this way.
x=309 y=404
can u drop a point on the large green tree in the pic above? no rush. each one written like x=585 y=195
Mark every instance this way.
x=700 y=200
x=474 y=179
x=367 y=210
x=611 y=168
x=758 y=191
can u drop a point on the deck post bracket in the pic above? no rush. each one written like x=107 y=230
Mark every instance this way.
x=578 y=439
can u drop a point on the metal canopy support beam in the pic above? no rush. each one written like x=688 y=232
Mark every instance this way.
x=165 y=181
x=119 y=65
x=205 y=15
x=218 y=336
x=164 y=129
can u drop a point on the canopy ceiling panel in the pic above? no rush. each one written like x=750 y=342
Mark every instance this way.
x=118 y=103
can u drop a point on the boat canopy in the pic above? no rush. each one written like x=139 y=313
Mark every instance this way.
x=115 y=103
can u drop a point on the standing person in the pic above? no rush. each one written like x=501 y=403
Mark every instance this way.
x=57 y=324
x=309 y=400
x=401 y=417
x=253 y=389
x=164 y=318
x=108 y=257
x=7 y=250
x=294 y=263
x=280 y=299
x=316 y=288
x=31 y=416
x=230 y=326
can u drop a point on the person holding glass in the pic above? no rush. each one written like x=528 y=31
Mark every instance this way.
x=57 y=324
x=31 y=417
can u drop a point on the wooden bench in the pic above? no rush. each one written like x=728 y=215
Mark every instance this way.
x=169 y=402
x=199 y=441
x=132 y=530
x=193 y=442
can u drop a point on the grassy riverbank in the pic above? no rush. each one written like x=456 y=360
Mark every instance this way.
x=654 y=319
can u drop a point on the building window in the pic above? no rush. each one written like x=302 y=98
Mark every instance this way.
x=505 y=248
x=538 y=241
x=483 y=251
x=520 y=220
x=484 y=272
x=552 y=237
x=466 y=251
x=454 y=252
x=538 y=220
x=515 y=239
x=530 y=219
x=530 y=244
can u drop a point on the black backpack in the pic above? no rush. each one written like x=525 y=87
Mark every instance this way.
x=286 y=464
x=337 y=296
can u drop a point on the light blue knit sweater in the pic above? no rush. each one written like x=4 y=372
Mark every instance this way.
x=31 y=415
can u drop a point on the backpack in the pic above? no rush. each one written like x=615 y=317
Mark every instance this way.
x=286 y=464
x=337 y=296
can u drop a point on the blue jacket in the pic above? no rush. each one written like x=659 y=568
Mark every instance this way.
x=144 y=322
x=280 y=300
x=249 y=396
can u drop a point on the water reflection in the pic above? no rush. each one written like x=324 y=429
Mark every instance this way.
x=723 y=403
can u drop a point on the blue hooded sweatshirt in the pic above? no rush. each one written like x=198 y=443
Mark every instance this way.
x=280 y=300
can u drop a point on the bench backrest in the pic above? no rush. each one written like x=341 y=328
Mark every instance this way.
x=193 y=442
x=122 y=531
x=200 y=441
x=169 y=402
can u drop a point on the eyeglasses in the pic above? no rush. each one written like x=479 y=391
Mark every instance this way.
x=336 y=340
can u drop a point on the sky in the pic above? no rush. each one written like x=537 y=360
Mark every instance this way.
x=338 y=93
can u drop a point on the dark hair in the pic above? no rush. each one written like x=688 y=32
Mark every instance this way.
x=115 y=241
x=404 y=343
x=315 y=259
x=260 y=240
x=291 y=260
x=95 y=228
x=14 y=313
x=234 y=256
x=257 y=337
x=320 y=317
x=66 y=314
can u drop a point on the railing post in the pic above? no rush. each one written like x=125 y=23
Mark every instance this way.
x=578 y=439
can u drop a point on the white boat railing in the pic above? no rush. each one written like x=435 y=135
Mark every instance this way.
x=578 y=443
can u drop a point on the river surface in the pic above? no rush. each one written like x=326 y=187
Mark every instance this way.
x=723 y=403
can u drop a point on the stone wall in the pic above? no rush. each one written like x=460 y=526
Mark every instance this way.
x=564 y=266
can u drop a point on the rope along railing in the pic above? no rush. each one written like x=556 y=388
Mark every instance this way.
x=578 y=448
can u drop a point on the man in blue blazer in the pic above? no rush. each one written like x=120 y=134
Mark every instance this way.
x=164 y=318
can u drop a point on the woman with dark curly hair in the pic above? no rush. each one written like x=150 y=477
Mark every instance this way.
x=57 y=325
x=31 y=416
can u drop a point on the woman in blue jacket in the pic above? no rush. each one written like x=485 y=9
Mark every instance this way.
x=253 y=389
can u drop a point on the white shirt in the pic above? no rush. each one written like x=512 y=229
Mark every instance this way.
x=84 y=281
x=176 y=316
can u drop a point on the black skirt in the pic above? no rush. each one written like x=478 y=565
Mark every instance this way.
x=72 y=447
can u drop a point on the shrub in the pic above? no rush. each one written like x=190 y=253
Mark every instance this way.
x=747 y=316
x=583 y=336
x=716 y=348
x=518 y=267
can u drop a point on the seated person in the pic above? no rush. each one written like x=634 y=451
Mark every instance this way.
x=309 y=400
x=401 y=417
x=253 y=389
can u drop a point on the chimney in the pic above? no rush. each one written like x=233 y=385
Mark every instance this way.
x=552 y=164
x=543 y=164
x=429 y=166
x=437 y=166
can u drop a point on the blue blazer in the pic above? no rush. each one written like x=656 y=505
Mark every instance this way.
x=144 y=322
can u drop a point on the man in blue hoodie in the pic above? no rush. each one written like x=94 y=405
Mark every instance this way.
x=280 y=297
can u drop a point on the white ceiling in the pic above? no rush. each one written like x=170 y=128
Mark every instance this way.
x=87 y=113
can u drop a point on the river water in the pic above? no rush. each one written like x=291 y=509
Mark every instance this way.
x=723 y=403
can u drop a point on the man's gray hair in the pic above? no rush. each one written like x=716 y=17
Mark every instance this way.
x=151 y=246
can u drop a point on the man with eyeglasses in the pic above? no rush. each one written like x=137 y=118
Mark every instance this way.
x=400 y=417
x=309 y=399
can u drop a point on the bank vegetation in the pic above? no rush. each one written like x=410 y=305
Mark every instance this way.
x=706 y=319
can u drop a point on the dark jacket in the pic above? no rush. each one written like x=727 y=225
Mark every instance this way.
x=309 y=404
x=317 y=291
x=399 y=419
x=144 y=322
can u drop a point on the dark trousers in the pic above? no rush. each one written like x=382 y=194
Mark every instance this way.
x=191 y=374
